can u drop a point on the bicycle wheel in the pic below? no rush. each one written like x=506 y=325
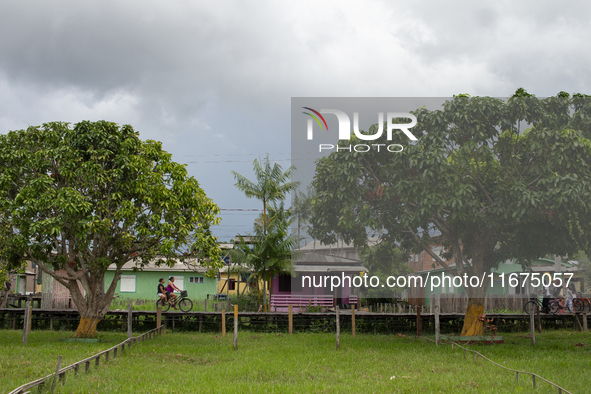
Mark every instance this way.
x=164 y=305
x=554 y=307
x=578 y=305
x=531 y=306
x=587 y=305
x=185 y=305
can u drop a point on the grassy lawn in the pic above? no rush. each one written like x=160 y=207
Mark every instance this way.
x=303 y=363
x=21 y=364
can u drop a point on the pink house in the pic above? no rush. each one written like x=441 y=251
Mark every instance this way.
x=319 y=280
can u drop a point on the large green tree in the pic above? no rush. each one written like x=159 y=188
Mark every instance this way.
x=488 y=179
x=75 y=200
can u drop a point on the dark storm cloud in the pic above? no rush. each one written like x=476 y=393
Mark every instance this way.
x=216 y=78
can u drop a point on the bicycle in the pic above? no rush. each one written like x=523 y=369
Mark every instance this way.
x=184 y=303
x=554 y=305
x=557 y=305
x=586 y=307
x=533 y=305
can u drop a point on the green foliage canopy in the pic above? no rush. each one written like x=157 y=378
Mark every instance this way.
x=488 y=179
x=78 y=199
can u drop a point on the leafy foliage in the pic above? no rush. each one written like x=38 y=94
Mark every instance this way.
x=78 y=199
x=488 y=179
x=269 y=253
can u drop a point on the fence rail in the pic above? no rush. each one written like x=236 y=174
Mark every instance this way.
x=517 y=372
x=61 y=373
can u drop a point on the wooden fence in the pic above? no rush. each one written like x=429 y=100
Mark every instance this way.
x=457 y=303
x=61 y=373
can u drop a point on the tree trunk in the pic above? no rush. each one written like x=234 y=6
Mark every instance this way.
x=270 y=290
x=87 y=327
x=265 y=292
x=3 y=299
x=472 y=325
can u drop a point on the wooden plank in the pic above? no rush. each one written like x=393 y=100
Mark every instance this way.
x=338 y=327
x=235 y=327
x=437 y=325
x=290 y=319
x=26 y=321
x=353 y=320
x=532 y=327
x=224 y=323
x=418 y=308
x=129 y=317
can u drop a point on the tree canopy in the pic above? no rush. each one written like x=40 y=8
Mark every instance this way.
x=76 y=199
x=488 y=179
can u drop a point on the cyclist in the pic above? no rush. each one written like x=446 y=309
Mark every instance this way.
x=162 y=291
x=170 y=291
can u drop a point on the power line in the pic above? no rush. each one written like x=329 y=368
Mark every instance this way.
x=237 y=154
x=246 y=161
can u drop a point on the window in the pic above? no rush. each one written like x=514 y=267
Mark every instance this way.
x=127 y=284
x=436 y=250
x=179 y=282
x=284 y=283
x=232 y=284
x=196 y=279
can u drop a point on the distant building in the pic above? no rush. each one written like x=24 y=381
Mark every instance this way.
x=143 y=283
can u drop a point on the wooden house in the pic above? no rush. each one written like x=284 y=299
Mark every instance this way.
x=307 y=287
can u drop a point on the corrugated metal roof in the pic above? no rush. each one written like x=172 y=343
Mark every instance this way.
x=152 y=266
x=319 y=262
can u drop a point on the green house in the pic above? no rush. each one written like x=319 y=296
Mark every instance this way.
x=143 y=284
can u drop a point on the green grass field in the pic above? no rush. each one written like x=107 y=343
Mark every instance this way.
x=302 y=363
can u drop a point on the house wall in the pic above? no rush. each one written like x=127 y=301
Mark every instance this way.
x=146 y=284
x=343 y=292
x=243 y=286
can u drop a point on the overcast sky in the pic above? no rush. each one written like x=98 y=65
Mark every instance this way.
x=213 y=80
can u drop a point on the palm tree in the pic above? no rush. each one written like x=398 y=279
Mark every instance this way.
x=270 y=253
x=272 y=184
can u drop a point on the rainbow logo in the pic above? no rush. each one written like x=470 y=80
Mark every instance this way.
x=316 y=119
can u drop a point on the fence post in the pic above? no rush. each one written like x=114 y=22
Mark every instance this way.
x=338 y=328
x=290 y=318
x=223 y=322
x=129 y=317
x=235 y=327
x=418 y=307
x=353 y=320
x=30 y=318
x=585 y=321
x=539 y=320
x=532 y=327
x=59 y=365
x=205 y=305
x=159 y=316
x=26 y=322
x=437 y=326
